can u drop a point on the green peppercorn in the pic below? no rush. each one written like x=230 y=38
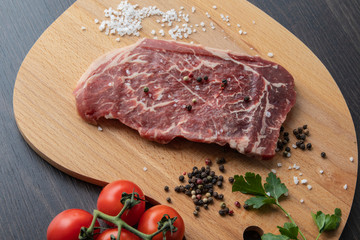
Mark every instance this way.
x=146 y=89
x=186 y=78
x=222 y=205
x=188 y=107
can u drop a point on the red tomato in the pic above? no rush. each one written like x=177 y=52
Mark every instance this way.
x=67 y=224
x=148 y=223
x=125 y=234
x=109 y=201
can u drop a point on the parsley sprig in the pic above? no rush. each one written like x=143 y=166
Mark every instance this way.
x=269 y=194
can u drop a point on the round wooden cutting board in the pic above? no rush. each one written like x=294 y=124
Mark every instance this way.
x=45 y=112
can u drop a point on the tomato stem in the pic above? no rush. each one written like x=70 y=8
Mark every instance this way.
x=128 y=203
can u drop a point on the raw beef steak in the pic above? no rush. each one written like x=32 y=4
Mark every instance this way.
x=167 y=89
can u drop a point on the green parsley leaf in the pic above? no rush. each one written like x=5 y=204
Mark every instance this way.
x=290 y=230
x=319 y=219
x=274 y=186
x=270 y=236
x=251 y=184
x=259 y=201
x=327 y=222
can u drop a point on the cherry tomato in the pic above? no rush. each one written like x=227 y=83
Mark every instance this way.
x=148 y=223
x=67 y=224
x=109 y=201
x=125 y=234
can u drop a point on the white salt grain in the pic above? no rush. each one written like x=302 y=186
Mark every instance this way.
x=240 y=32
x=303 y=181
x=270 y=54
x=300 y=174
x=214 y=7
x=301 y=200
x=345 y=186
x=351 y=159
x=273 y=170
x=309 y=187
x=153 y=32
x=83 y=28
x=96 y=20
x=279 y=164
x=296 y=180
x=321 y=171
x=100 y=128
x=193 y=9
x=145 y=169
x=294 y=146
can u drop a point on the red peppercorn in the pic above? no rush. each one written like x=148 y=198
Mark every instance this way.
x=208 y=161
x=199 y=181
x=198 y=196
x=184 y=173
x=231 y=212
x=237 y=204
x=191 y=75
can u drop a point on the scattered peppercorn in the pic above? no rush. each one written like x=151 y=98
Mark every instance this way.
x=247 y=98
x=206 y=206
x=168 y=200
x=308 y=146
x=222 y=205
x=281 y=128
x=166 y=188
x=181 y=178
x=195 y=213
x=231 y=180
x=206 y=78
x=208 y=161
x=302 y=137
x=231 y=212
x=302 y=146
x=323 y=155
x=285 y=153
x=197 y=208
x=188 y=107
x=300 y=130
x=287 y=149
x=221 y=168
x=305 y=126
x=222 y=212
x=220 y=160
x=146 y=89
x=221 y=196
x=246 y=207
x=295 y=131
x=199 y=79
x=177 y=189
x=186 y=78
x=219 y=184
x=306 y=132
x=237 y=204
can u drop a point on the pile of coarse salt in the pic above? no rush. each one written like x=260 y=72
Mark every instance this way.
x=126 y=19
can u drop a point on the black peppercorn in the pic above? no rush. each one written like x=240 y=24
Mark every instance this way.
x=220 y=160
x=222 y=212
x=221 y=196
x=286 y=134
x=219 y=183
x=305 y=126
x=177 y=189
x=231 y=179
x=206 y=78
x=168 y=200
x=300 y=130
x=323 y=155
x=188 y=107
x=197 y=208
x=308 y=146
x=215 y=195
x=247 y=98
x=246 y=207
x=166 y=188
x=287 y=149
x=281 y=128
x=224 y=81
x=221 y=168
x=295 y=131
x=181 y=178
x=220 y=178
x=199 y=79
x=302 y=146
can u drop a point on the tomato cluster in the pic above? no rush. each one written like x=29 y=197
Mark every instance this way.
x=67 y=224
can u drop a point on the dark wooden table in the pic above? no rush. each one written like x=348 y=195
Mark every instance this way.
x=32 y=192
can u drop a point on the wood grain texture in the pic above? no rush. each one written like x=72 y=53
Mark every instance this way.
x=33 y=192
x=45 y=114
